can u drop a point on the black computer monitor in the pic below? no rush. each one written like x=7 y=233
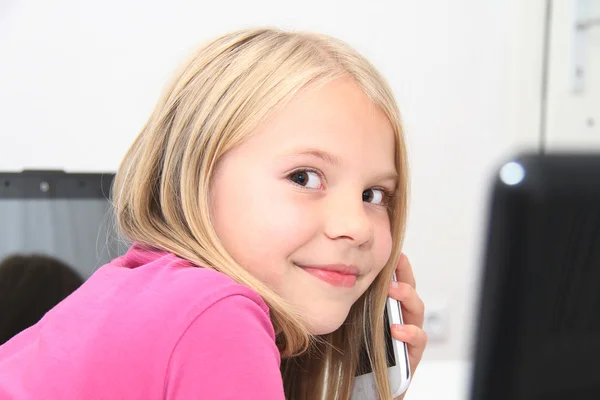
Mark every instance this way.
x=538 y=333
x=67 y=216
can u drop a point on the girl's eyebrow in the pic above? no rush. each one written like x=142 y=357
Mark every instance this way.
x=323 y=155
x=336 y=161
x=391 y=177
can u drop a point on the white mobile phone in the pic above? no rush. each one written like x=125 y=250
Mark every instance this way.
x=397 y=359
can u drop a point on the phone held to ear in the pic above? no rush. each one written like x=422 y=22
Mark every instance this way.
x=399 y=373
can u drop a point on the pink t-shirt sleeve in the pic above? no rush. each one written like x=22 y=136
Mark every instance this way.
x=227 y=352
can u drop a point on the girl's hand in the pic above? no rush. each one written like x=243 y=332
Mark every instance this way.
x=413 y=314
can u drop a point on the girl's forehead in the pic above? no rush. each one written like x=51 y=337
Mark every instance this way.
x=336 y=115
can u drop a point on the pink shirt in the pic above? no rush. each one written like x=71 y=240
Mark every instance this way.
x=147 y=326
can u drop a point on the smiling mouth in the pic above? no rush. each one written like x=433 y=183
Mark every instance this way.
x=339 y=276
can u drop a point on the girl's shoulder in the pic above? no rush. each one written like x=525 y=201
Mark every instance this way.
x=169 y=284
x=140 y=324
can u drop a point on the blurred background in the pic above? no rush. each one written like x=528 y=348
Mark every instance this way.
x=477 y=81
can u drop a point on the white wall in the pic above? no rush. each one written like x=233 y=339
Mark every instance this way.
x=79 y=79
x=573 y=112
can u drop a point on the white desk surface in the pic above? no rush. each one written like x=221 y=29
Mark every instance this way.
x=441 y=380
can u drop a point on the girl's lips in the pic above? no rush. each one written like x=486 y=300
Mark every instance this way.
x=336 y=275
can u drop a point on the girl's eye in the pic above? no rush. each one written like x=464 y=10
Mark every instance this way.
x=306 y=178
x=375 y=196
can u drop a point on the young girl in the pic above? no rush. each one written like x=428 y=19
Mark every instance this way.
x=266 y=199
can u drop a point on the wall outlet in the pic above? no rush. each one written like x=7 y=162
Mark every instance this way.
x=436 y=323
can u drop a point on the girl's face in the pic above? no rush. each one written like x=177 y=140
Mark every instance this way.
x=302 y=204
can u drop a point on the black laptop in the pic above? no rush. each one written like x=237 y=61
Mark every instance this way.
x=64 y=215
x=538 y=335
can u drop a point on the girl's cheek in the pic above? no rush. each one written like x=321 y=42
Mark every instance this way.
x=383 y=246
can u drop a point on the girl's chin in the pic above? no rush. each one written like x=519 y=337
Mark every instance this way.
x=324 y=325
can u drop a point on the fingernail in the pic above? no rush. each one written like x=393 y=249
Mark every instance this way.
x=398 y=327
x=394 y=284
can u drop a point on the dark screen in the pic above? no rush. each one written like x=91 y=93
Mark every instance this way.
x=364 y=366
x=67 y=216
x=79 y=232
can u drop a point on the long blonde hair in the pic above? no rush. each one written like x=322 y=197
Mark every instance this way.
x=162 y=189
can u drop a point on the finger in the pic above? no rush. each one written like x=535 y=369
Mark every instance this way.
x=415 y=339
x=404 y=272
x=413 y=308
